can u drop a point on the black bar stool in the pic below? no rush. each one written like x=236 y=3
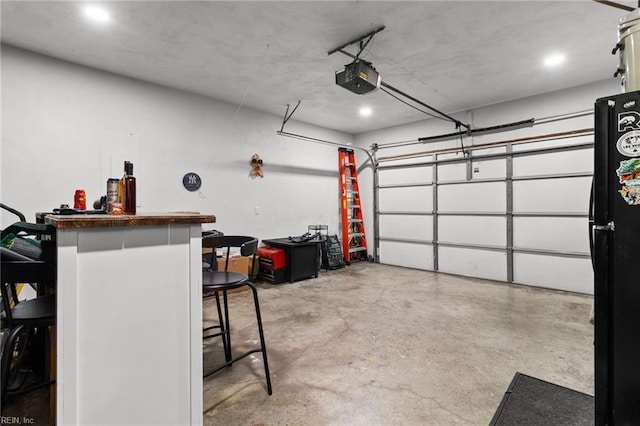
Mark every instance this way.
x=223 y=281
x=22 y=321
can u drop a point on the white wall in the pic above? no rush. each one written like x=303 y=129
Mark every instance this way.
x=66 y=126
x=566 y=195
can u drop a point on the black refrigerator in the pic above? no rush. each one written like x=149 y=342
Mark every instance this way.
x=616 y=259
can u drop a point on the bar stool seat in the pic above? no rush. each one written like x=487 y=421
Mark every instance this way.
x=222 y=280
x=34 y=312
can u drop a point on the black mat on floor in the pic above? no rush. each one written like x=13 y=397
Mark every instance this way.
x=533 y=402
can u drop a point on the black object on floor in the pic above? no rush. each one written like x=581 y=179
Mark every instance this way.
x=533 y=402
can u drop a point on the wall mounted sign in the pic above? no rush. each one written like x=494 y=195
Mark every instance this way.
x=191 y=182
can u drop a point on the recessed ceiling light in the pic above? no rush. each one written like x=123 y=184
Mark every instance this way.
x=365 y=111
x=97 y=14
x=553 y=60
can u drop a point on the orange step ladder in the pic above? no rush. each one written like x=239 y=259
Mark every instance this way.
x=354 y=243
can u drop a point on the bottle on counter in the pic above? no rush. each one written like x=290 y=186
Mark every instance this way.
x=121 y=195
x=129 y=203
x=113 y=194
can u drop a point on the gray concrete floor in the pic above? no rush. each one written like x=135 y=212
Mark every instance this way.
x=380 y=345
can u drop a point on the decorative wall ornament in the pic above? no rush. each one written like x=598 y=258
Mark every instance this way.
x=191 y=181
x=256 y=166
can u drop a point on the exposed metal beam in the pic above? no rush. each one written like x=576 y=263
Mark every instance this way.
x=457 y=122
x=522 y=153
x=367 y=36
x=287 y=116
x=538 y=138
x=482 y=131
x=324 y=142
x=615 y=4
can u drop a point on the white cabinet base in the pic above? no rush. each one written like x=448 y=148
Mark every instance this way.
x=129 y=333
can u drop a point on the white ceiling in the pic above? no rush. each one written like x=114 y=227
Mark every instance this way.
x=453 y=55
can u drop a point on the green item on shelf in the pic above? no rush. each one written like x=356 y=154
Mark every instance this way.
x=25 y=246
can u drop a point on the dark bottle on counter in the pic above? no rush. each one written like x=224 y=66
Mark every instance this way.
x=129 y=183
x=121 y=196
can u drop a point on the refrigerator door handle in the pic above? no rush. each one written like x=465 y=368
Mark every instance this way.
x=611 y=226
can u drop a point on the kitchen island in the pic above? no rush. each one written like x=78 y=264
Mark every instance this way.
x=129 y=319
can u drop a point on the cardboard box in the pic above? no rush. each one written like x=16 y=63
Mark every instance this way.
x=236 y=264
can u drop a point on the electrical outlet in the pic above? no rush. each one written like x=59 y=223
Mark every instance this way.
x=256 y=210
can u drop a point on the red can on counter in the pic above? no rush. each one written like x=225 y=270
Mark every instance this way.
x=80 y=200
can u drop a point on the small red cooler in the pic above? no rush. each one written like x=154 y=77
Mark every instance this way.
x=273 y=264
x=272 y=258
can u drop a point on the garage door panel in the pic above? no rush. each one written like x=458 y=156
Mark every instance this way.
x=554 y=163
x=473 y=263
x=410 y=255
x=560 y=273
x=406 y=227
x=552 y=233
x=480 y=230
x=410 y=175
x=486 y=197
x=410 y=199
x=552 y=195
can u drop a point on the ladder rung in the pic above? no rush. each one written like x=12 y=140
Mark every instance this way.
x=355 y=220
x=356 y=249
x=353 y=206
x=356 y=234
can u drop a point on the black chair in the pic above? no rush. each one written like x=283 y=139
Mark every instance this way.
x=24 y=322
x=221 y=282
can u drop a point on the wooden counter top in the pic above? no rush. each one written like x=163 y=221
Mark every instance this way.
x=110 y=221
